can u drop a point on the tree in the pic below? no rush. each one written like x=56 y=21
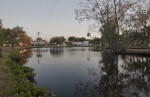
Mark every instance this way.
x=88 y=34
x=69 y=43
x=15 y=36
x=38 y=34
x=25 y=40
x=80 y=39
x=0 y=37
x=83 y=39
x=72 y=38
x=96 y=41
x=141 y=20
x=39 y=39
x=17 y=31
x=1 y=25
x=109 y=15
x=8 y=36
x=57 y=40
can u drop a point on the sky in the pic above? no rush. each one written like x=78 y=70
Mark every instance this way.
x=49 y=17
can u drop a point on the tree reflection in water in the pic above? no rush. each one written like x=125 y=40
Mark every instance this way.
x=131 y=78
x=39 y=52
x=56 y=52
x=26 y=54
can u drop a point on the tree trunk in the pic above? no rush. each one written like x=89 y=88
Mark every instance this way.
x=117 y=29
x=1 y=52
x=12 y=46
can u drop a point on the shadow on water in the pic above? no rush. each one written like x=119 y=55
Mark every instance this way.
x=113 y=78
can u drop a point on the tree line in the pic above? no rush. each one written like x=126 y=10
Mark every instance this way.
x=61 y=39
x=71 y=39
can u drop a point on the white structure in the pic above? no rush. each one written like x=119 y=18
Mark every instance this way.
x=84 y=43
x=39 y=43
x=77 y=43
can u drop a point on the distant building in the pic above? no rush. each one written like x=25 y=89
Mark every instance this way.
x=77 y=43
x=39 y=43
x=84 y=43
x=55 y=44
x=52 y=44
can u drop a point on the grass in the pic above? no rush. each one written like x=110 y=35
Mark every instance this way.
x=6 y=77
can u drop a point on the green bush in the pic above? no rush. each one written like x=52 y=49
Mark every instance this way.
x=15 y=56
x=122 y=47
x=30 y=75
x=23 y=87
x=27 y=69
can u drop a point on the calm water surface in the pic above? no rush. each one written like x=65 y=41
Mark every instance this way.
x=82 y=72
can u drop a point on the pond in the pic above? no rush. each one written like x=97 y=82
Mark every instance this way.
x=83 y=72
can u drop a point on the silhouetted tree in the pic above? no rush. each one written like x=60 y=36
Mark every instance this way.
x=0 y=37
x=57 y=40
x=72 y=38
x=109 y=15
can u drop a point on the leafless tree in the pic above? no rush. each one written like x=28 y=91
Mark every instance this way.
x=141 y=21
x=110 y=16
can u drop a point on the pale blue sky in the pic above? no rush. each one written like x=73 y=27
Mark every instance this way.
x=50 y=17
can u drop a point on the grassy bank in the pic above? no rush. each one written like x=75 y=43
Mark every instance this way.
x=6 y=76
x=15 y=79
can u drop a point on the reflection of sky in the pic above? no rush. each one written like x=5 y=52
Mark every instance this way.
x=122 y=75
x=61 y=73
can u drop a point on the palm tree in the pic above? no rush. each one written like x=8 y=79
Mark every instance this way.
x=38 y=34
x=88 y=34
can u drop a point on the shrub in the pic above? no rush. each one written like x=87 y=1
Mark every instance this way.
x=15 y=56
x=27 y=69
x=23 y=76
x=23 y=87
x=122 y=47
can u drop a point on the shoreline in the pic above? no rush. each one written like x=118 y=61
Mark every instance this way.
x=129 y=51
x=13 y=74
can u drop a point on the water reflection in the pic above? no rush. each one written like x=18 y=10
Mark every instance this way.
x=39 y=52
x=26 y=54
x=99 y=74
x=56 y=52
x=129 y=77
